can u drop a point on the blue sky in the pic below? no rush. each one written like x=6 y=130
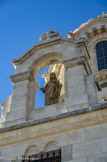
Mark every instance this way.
x=22 y=22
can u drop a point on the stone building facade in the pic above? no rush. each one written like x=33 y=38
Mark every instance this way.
x=75 y=129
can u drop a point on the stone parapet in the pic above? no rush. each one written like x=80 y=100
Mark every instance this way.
x=101 y=107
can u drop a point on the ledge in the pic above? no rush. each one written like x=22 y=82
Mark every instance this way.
x=28 y=75
x=78 y=61
x=101 y=76
x=48 y=119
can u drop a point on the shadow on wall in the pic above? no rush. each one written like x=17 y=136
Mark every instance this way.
x=40 y=97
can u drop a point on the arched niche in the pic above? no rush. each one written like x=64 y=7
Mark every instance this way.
x=36 y=67
x=51 y=151
x=51 y=146
x=44 y=61
x=31 y=150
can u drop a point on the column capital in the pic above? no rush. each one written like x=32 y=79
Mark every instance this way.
x=78 y=61
x=28 y=75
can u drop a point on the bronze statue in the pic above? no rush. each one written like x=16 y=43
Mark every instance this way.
x=52 y=90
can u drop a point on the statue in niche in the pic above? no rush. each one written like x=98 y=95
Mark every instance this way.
x=52 y=90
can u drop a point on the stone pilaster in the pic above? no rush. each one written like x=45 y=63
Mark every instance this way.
x=66 y=153
x=77 y=81
x=20 y=98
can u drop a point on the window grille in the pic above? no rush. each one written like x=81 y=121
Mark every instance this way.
x=52 y=156
x=101 y=52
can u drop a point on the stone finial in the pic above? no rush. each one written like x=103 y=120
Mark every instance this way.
x=49 y=35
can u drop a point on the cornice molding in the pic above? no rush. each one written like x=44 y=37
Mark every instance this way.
x=94 y=33
x=78 y=61
x=42 y=44
x=101 y=76
x=30 y=133
x=82 y=44
x=28 y=75
x=87 y=25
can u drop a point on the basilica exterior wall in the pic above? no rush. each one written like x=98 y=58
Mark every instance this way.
x=77 y=125
x=81 y=136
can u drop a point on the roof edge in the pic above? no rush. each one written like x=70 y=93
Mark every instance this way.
x=42 y=43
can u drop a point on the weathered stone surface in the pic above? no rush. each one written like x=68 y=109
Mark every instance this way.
x=10 y=123
x=19 y=95
x=98 y=158
x=12 y=115
x=91 y=89
x=22 y=76
x=78 y=70
x=5 y=108
x=78 y=61
x=86 y=149
x=101 y=107
x=75 y=136
x=76 y=80
x=66 y=153
x=74 y=89
x=77 y=100
x=104 y=144
x=47 y=111
x=96 y=132
x=79 y=160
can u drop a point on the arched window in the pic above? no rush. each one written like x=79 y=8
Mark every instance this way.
x=101 y=52
x=54 y=155
x=40 y=97
x=58 y=69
